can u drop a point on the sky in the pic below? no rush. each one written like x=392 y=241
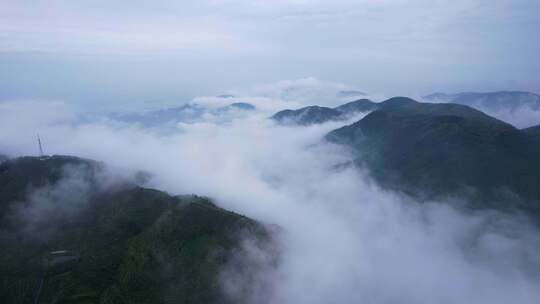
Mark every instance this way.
x=154 y=52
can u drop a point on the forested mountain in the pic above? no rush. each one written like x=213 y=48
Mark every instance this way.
x=71 y=233
x=316 y=114
x=436 y=151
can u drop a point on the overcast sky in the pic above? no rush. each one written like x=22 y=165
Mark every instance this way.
x=121 y=51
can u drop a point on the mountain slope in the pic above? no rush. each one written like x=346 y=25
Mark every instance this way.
x=439 y=150
x=316 y=114
x=307 y=116
x=360 y=105
x=533 y=132
x=85 y=241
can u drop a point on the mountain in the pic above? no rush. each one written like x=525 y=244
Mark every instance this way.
x=307 y=116
x=238 y=106
x=533 y=132
x=492 y=101
x=185 y=113
x=436 y=151
x=360 y=105
x=189 y=113
x=71 y=235
x=316 y=114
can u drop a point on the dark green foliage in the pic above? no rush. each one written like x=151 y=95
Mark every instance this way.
x=126 y=245
x=440 y=150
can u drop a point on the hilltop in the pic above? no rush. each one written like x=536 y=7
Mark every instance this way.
x=435 y=151
x=315 y=114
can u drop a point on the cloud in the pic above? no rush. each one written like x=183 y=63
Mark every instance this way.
x=343 y=239
x=37 y=217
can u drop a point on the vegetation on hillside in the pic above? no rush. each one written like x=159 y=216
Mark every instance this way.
x=114 y=243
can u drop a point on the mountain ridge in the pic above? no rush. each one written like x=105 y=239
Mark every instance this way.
x=435 y=150
x=317 y=114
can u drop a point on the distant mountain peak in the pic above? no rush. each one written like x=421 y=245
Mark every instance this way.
x=398 y=101
x=306 y=116
x=318 y=114
x=360 y=105
x=187 y=113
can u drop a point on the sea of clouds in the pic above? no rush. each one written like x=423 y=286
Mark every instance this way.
x=342 y=238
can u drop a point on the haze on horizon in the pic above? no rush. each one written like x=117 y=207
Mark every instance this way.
x=98 y=52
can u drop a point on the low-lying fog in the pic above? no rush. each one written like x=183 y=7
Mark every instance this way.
x=343 y=239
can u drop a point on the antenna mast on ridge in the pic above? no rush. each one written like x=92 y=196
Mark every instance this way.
x=40 y=147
